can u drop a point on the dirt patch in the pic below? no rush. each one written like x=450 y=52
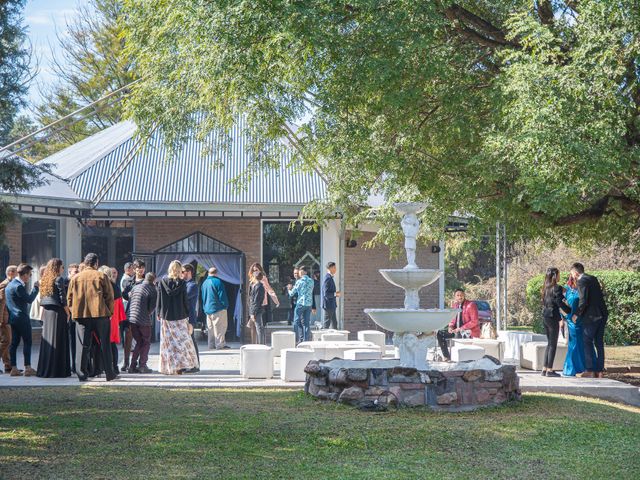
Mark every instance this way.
x=631 y=378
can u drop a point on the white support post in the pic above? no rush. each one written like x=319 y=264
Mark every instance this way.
x=505 y=288
x=330 y=252
x=498 y=276
x=441 y=284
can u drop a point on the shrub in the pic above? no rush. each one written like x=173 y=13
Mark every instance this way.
x=622 y=294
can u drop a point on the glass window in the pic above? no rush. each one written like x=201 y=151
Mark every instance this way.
x=284 y=247
x=112 y=241
x=40 y=237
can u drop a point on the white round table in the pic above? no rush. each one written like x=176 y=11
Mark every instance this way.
x=513 y=339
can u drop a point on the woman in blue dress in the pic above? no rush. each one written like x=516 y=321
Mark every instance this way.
x=574 y=363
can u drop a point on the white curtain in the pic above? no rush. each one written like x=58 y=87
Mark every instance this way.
x=229 y=269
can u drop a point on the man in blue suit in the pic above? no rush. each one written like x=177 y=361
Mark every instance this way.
x=18 y=305
x=329 y=294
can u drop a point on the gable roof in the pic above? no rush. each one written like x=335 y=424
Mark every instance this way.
x=197 y=177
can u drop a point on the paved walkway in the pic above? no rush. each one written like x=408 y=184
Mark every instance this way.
x=221 y=369
x=218 y=369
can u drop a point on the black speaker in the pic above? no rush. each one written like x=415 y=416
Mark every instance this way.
x=351 y=243
x=435 y=249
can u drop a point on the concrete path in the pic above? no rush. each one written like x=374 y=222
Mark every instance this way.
x=218 y=369
x=221 y=369
x=603 y=388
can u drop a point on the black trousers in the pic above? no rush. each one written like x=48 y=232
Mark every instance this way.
x=72 y=344
x=330 y=319
x=20 y=330
x=442 y=337
x=102 y=328
x=593 y=336
x=551 y=329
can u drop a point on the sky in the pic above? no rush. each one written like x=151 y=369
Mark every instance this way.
x=43 y=18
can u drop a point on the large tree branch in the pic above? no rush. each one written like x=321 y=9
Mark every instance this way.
x=545 y=12
x=476 y=28
x=597 y=210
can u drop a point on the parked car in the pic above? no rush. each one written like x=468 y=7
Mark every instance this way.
x=484 y=311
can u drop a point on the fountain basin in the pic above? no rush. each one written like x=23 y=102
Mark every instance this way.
x=411 y=278
x=421 y=320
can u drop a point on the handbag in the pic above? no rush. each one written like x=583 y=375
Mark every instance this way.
x=488 y=331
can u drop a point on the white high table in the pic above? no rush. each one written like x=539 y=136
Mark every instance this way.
x=513 y=339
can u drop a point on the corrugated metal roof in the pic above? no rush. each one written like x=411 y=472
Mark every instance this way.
x=54 y=187
x=75 y=159
x=189 y=177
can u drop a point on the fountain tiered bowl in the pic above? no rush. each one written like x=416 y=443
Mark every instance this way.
x=399 y=320
x=411 y=320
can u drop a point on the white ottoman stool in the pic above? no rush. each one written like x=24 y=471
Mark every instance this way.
x=316 y=334
x=256 y=361
x=532 y=355
x=362 y=354
x=373 y=336
x=282 y=339
x=334 y=337
x=293 y=362
x=463 y=353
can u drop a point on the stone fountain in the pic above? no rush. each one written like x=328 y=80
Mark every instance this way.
x=411 y=380
x=414 y=328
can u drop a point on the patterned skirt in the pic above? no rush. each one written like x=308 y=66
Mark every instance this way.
x=177 y=351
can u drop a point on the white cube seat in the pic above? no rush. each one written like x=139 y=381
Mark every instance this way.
x=256 y=361
x=532 y=355
x=463 y=353
x=334 y=337
x=495 y=348
x=282 y=339
x=329 y=350
x=363 y=354
x=373 y=336
x=293 y=361
x=316 y=335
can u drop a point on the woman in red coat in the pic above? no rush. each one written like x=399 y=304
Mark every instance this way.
x=118 y=312
x=466 y=320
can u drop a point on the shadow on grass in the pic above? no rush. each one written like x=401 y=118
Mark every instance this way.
x=131 y=433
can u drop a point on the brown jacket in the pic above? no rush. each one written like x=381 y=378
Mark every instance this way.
x=90 y=295
x=4 y=313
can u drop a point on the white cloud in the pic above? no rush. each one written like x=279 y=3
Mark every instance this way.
x=39 y=20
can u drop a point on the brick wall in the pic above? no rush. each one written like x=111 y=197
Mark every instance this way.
x=13 y=240
x=241 y=233
x=366 y=288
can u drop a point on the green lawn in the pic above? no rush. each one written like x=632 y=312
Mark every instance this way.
x=103 y=432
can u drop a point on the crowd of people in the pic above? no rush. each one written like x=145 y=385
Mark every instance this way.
x=578 y=310
x=87 y=313
x=580 y=306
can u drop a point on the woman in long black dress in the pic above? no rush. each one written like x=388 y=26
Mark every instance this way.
x=552 y=304
x=53 y=361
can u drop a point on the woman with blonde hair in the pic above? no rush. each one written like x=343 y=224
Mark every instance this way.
x=177 y=352
x=54 y=360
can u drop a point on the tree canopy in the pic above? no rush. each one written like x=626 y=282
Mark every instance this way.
x=14 y=64
x=92 y=64
x=15 y=174
x=518 y=111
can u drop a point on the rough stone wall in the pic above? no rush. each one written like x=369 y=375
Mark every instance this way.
x=454 y=390
x=364 y=287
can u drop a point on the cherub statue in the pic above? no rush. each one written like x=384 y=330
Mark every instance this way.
x=410 y=227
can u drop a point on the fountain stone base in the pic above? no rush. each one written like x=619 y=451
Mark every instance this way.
x=460 y=386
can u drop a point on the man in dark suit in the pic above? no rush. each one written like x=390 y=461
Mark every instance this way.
x=18 y=305
x=592 y=309
x=329 y=294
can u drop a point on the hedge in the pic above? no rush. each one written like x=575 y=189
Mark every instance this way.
x=622 y=294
